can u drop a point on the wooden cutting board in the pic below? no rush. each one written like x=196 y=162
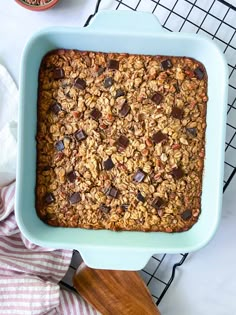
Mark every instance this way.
x=114 y=292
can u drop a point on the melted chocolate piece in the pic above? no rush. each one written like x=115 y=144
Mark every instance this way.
x=122 y=142
x=125 y=109
x=59 y=145
x=139 y=176
x=113 y=64
x=199 y=73
x=186 y=215
x=177 y=112
x=108 y=164
x=55 y=108
x=95 y=114
x=112 y=192
x=49 y=198
x=104 y=208
x=166 y=64
x=75 y=197
x=140 y=197
x=100 y=70
x=125 y=206
x=159 y=137
x=157 y=98
x=157 y=203
x=80 y=135
x=108 y=82
x=72 y=176
x=192 y=131
x=58 y=74
x=80 y=84
x=177 y=172
x=119 y=93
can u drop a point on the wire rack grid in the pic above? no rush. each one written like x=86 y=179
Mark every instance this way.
x=217 y=20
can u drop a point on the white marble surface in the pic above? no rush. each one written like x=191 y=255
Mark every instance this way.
x=206 y=283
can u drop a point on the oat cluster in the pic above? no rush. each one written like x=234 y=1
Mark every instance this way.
x=37 y=2
x=120 y=141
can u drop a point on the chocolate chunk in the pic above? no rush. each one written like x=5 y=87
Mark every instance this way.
x=166 y=64
x=80 y=135
x=72 y=176
x=55 y=108
x=192 y=131
x=80 y=84
x=177 y=172
x=122 y=142
x=186 y=215
x=157 y=98
x=58 y=74
x=112 y=192
x=59 y=145
x=159 y=137
x=75 y=197
x=113 y=64
x=139 y=176
x=95 y=114
x=199 y=73
x=87 y=61
x=68 y=95
x=125 y=206
x=119 y=93
x=46 y=168
x=108 y=82
x=177 y=112
x=100 y=70
x=104 y=208
x=125 y=109
x=108 y=164
x=157 y=203
x=49 y=198
x=140 y=197
x=176 y=85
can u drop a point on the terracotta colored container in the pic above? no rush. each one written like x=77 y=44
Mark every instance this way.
x=34 y=7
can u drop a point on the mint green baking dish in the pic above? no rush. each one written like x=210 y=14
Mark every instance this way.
x=131 y=32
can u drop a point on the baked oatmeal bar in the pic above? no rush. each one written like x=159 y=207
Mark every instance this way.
x=120 y=141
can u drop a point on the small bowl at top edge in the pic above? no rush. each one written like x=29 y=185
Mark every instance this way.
x=35 y=7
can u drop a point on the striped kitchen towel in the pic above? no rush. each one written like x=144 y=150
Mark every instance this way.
x=29 y=274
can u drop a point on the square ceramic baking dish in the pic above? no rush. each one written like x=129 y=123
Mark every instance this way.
x=137 y=33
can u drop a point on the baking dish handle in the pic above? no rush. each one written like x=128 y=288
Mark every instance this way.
x=115 y=259
x=125 y=22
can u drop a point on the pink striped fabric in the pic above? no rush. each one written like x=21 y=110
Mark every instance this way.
x=29 y=274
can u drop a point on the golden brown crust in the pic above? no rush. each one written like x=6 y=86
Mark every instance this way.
x=162 y=114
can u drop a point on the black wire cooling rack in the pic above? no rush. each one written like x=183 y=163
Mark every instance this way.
x=217 y=20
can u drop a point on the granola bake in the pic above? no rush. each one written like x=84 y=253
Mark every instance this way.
x=120 y=141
